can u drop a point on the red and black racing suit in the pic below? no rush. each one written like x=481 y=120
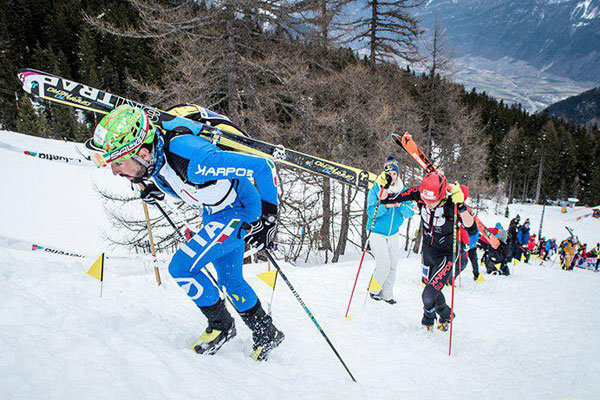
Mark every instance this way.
x=438 y=246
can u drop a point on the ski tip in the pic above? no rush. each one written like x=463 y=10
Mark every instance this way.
x=400 y=135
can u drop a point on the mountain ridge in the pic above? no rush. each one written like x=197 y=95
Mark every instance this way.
x=560 y=36
x=583 y=108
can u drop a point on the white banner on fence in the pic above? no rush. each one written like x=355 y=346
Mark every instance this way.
x=80 y=162
x=17 y=244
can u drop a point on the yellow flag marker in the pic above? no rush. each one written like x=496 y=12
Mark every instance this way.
x=374 y=286
x=480 y=278
x=268 y=278
x=97 y=271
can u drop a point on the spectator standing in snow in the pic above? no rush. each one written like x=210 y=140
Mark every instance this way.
x=511 y=240
x=523 y=241
x=472 y=253
x=384 y=240
x=500 y=256
x=531 y=245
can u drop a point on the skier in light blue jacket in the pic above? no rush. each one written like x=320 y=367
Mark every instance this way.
x=384 y=239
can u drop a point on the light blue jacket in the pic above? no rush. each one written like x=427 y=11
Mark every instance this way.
x=388 y=220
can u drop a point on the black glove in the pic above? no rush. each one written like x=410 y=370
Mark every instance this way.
x=388 y=181
x=152 y=194
x=391 y=199
x=260 y=234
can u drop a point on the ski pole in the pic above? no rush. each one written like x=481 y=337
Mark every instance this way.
x=457 y=255
x=307 y=311
x=554 y=260
x=362 y=258
x=170 y=221
x=272 y=293
x=151 y=238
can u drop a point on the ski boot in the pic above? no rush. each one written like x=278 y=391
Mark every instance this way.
x=221 y=328
x=443 y=325
x=264 y=334
x=428 y=319
x=377 y=297
x=444 y=322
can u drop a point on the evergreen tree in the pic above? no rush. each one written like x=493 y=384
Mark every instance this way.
x=29 y=121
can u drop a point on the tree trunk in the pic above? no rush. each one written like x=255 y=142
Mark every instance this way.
x=525 y=184
x=407 y=235
x=365 y=217
x=373 y=43
x=344 y=226
x=232 y=85
x=324 y=232
x=538 y=188
x=432 y=73
x=324 y=25
x=418 y=240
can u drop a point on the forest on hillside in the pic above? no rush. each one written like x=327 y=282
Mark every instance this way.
x=299 y=74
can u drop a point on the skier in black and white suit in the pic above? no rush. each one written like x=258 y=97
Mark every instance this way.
x=436 y=206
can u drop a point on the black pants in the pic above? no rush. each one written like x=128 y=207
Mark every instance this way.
x=474 y=263
x=498 y=256
x=437 y=269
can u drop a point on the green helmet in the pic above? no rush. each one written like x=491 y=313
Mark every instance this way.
x=120 y=135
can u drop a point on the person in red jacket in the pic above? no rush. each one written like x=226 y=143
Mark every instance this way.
x=436 y=200
x=531 y=245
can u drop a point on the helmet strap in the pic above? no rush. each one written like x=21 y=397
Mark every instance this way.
x=149 y=165
x=139 y=159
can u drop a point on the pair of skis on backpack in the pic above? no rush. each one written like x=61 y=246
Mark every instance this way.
x=181 y=118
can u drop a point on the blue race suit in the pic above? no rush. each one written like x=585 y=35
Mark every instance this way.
x=196 y=171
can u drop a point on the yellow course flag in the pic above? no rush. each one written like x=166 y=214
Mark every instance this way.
x=268 y=277
x=374 y=286
x=97 y=270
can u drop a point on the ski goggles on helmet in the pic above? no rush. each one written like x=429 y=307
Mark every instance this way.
x=102 y=159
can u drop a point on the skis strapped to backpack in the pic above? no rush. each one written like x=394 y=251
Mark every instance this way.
x=406 y=141
x=74 y=94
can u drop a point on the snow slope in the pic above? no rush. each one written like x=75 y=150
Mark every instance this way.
x=531 y=335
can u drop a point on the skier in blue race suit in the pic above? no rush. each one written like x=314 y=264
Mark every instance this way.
x=234 y=212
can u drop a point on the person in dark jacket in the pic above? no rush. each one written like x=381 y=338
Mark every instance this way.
x=512 y=241
x=523 y=241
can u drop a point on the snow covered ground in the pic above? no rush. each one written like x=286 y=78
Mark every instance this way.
x=531 y=335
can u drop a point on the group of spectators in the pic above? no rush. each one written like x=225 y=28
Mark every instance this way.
x=514 y=245
x=573 y=254
x=518 y=244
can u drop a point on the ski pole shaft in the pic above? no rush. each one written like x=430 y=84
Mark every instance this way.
x=272 y=293
x=170 y=221
x=151 y=238
x=362 y=258
x=307 y=311
x=456 y=258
